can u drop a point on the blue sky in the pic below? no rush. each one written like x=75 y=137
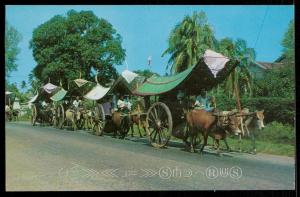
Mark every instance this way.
x=145 y=29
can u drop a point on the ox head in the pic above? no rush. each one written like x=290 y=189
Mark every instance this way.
x=229 y=121
x=259 y=115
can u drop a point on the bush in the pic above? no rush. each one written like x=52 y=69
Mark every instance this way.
x=275 y=108
x=277 y=133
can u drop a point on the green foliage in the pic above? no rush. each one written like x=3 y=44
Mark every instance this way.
x=275 y=108
x=240 y=77
x=262 y=146
x=188 y=41
x=65 y=46
x=277 y=133
x=12 y=39
x=288 y=41
x=24 y=97
x=23 y=84
x=277 y=82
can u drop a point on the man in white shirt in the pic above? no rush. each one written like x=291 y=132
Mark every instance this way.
x=121 y=103
x=76 y=102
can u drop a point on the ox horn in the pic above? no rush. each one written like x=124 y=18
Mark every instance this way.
x=245 y=114
x=232 y=113
x=218 y=114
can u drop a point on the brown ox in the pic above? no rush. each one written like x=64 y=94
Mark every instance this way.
x=140 y=121
x=121 y=123
x=216 y=125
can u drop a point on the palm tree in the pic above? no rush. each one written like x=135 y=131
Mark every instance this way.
x=188 y=42
x=246 y=56
x=240 y=79
x=34 y=82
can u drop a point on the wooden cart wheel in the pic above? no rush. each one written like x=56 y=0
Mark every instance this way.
x=33 y=114
x=60 y=116
x=98 y=120
x=159 y=124
x=54 y=117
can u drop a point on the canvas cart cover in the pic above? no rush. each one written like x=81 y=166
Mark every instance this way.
x=215 y=61
x=97 y=92
x=80 y=82
x=59 y=95
x=129 y=76
x=211 y=69
x=49 y=88
x=120 y=86
x=33 y=99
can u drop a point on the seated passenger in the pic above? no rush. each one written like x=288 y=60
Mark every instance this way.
x=204 y=102
x=76 y=102
x=107 y=107
x=201 y=101
x=121 y=103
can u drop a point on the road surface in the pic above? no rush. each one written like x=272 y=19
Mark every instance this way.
x=48 y=159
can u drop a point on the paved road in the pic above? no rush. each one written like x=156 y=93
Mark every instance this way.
x=46 y=159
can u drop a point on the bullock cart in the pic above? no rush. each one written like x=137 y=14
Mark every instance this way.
x=10 y=112
x=171 y=96
x=42 y=106
x=89 y=116
x=114 y=120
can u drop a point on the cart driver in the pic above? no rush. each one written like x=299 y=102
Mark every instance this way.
x=76 y=103
x=121 y=103
x=180 y=96
x=203 y=102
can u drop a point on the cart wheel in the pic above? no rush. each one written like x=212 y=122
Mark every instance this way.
x=33 y=114
x=60 y=116
x=99 y=120
x=159 y=124
x=54 y=118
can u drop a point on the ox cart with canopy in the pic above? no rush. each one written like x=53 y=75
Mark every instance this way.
x=11 y=112
x=42 y=110
x=63 y=101
x=165 y=117
x=105 y=109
